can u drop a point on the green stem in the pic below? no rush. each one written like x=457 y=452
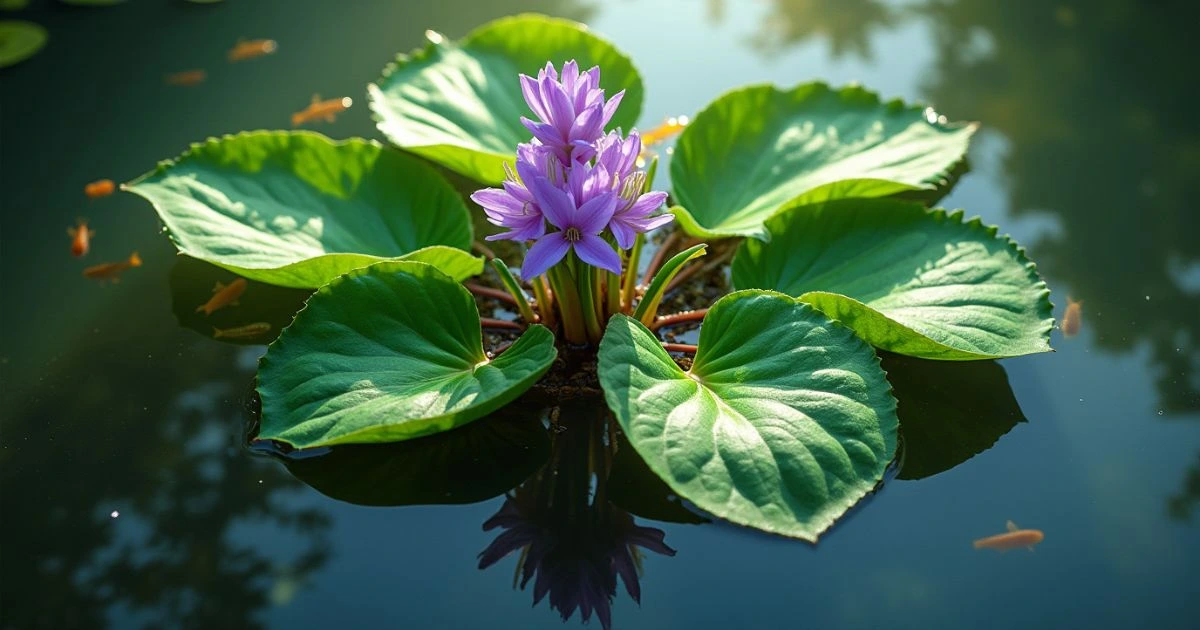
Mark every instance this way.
x=567 y=298
x=587 y=298
x=514 y=288
x=613 y=283
x=544 y=305
x=631 y=274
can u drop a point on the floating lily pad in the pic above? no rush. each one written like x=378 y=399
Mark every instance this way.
x=459 y=103
x=20 y=40
x=387 y=353
x=759 y=150
x=908 y=280
x=296 y=209
x=784 y=421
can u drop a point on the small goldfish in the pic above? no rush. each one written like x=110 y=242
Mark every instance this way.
x=187 y=78
x=327 y=110
x=99 y=188
x=249 y=49
x=1073 y=318
x=112 y=271
x=242 y=332
x=81 y=238
x=223 y=296
x=665 y=131
x=1011 y=539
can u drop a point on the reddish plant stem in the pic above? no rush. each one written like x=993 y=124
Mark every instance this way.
x=695 y=268
x=488 y=322
x=497 y=294
x=686 y=348
x=660 y=256
x=483 y=249
x=679 y=318
x=500 y=349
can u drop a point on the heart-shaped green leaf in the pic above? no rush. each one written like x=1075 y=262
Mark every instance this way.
x=759 y=150
x=909 y=280
x=386 y=353
x=784 y=421
x=296 y=209
x=460 y=105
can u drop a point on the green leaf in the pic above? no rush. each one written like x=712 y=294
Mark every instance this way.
x=296 y=209
x=20 y=40
x=635 y=488
x=908 y=280
x=784 y=421
x=460 y=105
x=949 y=412
x=759 y=150
x=386 y=353
x=469 y=464
x=647 y=308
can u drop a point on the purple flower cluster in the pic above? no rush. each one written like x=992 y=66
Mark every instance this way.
x=582 y=181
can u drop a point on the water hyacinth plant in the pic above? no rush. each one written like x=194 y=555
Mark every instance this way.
x=782 y=420
x=582 y=182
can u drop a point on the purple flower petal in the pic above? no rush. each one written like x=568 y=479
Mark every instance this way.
x=624 y=234
x=652 y=223
x=594 y=251
x=595 y=214
x=610 y=107
x=545 y=132
x=556 y=204
x=529 y=90
x=645 y=204
x=588 y=125
x=547 y=251
x=497 y=199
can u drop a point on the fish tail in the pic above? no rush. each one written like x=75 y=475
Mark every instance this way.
x=201 y=308
x=217 y=333
x=297 y=119
x=978 y=544
x=135 y=260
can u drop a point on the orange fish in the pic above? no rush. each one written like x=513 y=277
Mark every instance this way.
x=111 y=271
x=99 y=188
x=327 y=110
x=223 y=296
x=250 y=49
x=665 y=131
x=242 y=332
x=187 y=78
x=1012 y=539
x=1072 y=319
x=81 y=238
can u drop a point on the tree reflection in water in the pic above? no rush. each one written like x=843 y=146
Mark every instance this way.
x=573 y=542
x=111 y=431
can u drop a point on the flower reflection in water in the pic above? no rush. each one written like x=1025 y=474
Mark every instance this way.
x=573 y=542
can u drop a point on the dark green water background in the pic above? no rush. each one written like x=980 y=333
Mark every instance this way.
x=1089 y=156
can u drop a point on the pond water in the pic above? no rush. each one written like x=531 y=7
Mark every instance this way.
x=129 y=499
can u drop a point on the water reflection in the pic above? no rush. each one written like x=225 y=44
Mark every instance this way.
x=474 y=463
x=949 y=411
x=573 y=542
x=847 y=25
x=194 y=281
x=1117 y=176
x=127 y=500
